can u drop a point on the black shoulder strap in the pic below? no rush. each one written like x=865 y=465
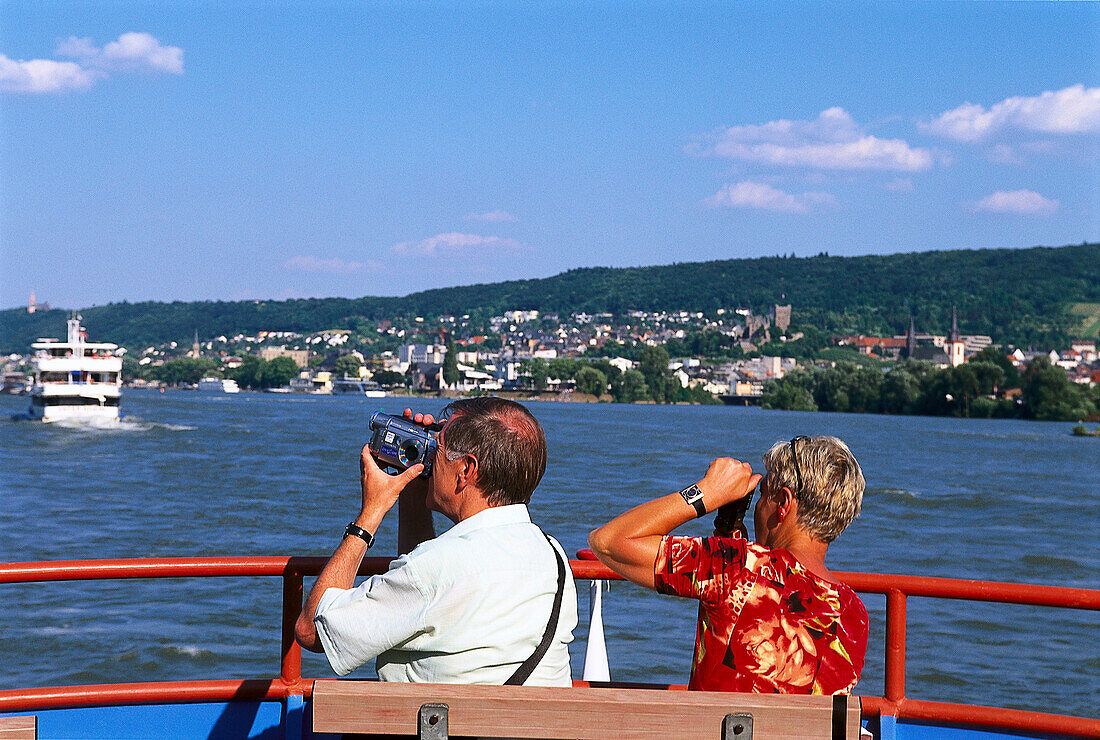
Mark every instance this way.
x=528 y=666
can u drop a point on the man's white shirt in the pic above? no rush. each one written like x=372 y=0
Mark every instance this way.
x=466 y=607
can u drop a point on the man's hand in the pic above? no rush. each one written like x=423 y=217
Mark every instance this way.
x=727 y=480
x=381 y=490
x=424 y=420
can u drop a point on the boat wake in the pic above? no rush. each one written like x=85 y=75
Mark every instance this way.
x=898 y=493
x=137 y=424
x=126 y=424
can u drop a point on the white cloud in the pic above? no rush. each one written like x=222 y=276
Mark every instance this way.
x=142 y=51
x=131 y=52
x=453 y=243
x=1026 y=202
x=43 y=76
x=309 y=263
x=832 y=141
x=1072 y=110
x=758 y=195
x=492 y=217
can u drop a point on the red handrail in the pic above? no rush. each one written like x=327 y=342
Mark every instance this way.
x=897 y=588
x=290 y=682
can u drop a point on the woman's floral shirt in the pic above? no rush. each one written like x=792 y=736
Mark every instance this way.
x=766 y=624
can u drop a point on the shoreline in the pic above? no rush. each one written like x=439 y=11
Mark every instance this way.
x=575 y=397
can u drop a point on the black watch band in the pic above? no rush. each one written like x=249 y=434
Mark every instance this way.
x=354 y=530
x=694 y=496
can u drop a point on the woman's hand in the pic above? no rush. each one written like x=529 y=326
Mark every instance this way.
x=727 y=480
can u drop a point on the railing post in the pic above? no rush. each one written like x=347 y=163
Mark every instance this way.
x=596 y=667
x=291 y=672
x=895 y=646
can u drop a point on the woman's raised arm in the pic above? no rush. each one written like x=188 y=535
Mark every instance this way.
x=628 y=543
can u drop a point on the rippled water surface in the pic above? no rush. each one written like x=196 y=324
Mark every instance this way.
x=261 y=474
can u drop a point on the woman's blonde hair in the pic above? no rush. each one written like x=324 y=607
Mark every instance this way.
x=831 y=490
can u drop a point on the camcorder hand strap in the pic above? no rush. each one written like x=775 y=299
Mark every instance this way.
x=528 y=666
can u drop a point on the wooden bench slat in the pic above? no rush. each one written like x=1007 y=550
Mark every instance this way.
x=19 y=728
x=582 y=713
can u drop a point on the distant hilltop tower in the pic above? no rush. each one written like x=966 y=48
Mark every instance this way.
x=33 y=306
x=781 y=316
x=954 y=344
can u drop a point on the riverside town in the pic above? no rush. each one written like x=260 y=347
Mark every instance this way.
x=739 y=356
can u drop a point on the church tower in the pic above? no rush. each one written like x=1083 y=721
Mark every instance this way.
x=911 y=340
x=954 y=345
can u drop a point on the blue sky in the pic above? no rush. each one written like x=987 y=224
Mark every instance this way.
x=184 y=151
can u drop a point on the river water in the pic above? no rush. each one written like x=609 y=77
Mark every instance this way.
x=186 y=474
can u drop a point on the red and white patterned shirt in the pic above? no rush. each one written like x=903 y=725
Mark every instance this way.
x=766 y=624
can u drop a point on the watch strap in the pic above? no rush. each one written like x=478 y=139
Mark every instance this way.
x=354 y=530
x=694 y=496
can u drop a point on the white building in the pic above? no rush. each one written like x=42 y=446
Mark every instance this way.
x=472 y=379
x=622 y=363
x=410 y=354
x=518 y=317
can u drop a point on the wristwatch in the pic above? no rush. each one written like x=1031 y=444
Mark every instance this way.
x=354 y=530
x=694 y=496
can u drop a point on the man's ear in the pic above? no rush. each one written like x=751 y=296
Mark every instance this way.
x=467 y=474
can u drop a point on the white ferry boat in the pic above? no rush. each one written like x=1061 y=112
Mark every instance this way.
x=367 y=388
x=75 y=379
x=219 y=385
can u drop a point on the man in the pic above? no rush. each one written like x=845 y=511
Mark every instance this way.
x=472 y=605
x=772 y=617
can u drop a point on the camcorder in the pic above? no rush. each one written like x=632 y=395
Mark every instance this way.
x=398 y=443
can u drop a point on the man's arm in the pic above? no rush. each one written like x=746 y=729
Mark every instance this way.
x=414 y=522
x=628 y=543
x=414 y=519
x=380 y=492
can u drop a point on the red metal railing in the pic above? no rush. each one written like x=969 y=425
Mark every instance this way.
x=897 y=589
x=292 y=570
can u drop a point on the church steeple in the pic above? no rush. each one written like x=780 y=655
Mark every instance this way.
x=954 y=346
x=911 y=339
x=953 y=335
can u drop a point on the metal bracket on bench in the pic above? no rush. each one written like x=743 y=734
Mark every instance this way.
x=431 y=722
x=737 y=726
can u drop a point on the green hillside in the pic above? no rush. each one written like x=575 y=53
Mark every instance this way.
x=1088 y=316
x=1019 y=296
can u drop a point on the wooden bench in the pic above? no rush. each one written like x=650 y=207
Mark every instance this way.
x=584 y=713
x=19 y=728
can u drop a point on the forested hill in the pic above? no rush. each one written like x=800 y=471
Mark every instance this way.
x=1019 y=296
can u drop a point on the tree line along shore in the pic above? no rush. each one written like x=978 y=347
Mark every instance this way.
x=989 y=385
x=686 y=331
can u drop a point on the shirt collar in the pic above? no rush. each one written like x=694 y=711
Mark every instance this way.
x=492 y=517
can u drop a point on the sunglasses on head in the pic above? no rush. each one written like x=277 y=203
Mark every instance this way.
x=794 y=458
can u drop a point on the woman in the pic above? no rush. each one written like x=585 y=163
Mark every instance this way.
x=772 y=618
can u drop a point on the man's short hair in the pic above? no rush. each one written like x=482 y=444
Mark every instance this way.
x=507 y=441
x=832 y=483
